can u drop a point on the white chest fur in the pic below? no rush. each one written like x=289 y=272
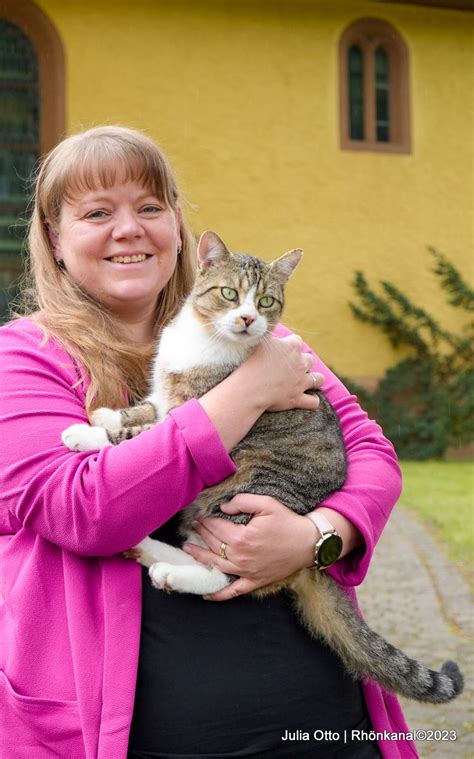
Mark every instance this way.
x=188 y=344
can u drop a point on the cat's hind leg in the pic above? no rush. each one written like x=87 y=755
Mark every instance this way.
x=171 y=568
x=148 y=552
x=198 y=579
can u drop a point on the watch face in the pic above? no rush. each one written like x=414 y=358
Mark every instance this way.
x=329 y=550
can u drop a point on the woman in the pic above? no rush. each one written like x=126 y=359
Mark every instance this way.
x=111 y=260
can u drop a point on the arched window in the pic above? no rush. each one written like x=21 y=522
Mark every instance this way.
x=31 y=121
x=374 y=94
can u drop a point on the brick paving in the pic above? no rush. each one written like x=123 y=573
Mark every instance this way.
x=415 y=598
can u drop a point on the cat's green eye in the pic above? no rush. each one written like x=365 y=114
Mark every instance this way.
x=266 y=301
x=229 y=293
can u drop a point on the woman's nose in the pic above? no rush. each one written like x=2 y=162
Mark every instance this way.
x=127 y=224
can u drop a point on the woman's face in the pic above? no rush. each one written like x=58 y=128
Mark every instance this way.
x=120 y=245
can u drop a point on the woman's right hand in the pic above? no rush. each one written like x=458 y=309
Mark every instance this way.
x=273 y=378
x=281 y=373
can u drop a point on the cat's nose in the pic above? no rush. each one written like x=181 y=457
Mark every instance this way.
x=248 y=320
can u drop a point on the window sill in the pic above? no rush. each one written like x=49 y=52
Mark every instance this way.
x=375 y=147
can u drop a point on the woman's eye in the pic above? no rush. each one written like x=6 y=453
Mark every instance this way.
x=266 y=301
x=229 y=293
x=99 y=214
x=150 y=209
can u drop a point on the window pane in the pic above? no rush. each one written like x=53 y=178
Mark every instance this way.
x=382 y=95
x=19 y=121
x=356 y=93
x=15 y=170
x=18 y=61
x=19 y=147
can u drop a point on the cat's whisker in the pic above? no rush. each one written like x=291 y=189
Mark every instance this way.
x=302 y=332
x=217 y=337
x=265 y=343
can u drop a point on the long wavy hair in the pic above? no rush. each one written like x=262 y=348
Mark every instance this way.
x=116 y=370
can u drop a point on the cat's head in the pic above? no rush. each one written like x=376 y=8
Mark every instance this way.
x=239 y=297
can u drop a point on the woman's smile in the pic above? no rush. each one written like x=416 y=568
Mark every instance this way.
x=128 y=258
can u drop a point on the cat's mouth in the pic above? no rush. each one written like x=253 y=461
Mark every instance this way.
x=243 y=335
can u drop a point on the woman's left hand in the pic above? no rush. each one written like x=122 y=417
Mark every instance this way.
x=274 y=544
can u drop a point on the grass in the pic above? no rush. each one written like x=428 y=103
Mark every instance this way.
x=441 y=493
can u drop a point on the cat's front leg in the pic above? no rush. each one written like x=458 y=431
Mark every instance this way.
x=83 y=437
x=109 y=418
x=135 y=416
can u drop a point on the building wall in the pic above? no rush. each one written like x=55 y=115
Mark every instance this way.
x=243 y=97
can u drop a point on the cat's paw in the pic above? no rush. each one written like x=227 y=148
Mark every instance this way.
x=196 y=579
x=82 y=437
x=109 y=418
x=161 y=576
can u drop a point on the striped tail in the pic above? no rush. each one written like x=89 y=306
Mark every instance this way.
x=328 y=614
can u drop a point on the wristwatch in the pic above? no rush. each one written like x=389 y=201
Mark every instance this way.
x=329 y=547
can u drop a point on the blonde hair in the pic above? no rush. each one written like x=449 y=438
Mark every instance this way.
x=117 y=369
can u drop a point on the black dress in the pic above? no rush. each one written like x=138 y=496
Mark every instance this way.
x=234 y=679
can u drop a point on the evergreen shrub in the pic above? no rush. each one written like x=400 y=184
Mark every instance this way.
x=425 y=403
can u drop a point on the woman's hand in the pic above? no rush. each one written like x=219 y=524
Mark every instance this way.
x=274 y=544
x=273 y=378
x=282 y=373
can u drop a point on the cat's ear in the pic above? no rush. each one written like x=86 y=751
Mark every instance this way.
x=284 y=266
x=211 y=249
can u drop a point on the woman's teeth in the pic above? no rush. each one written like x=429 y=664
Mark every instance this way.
x=128 y=259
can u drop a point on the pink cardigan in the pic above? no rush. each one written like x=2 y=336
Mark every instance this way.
x=70 y=606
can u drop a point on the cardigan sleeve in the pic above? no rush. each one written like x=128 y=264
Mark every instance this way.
x=94 y=503
x=373 y=482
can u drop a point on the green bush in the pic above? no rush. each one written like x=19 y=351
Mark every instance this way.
x=426 y=402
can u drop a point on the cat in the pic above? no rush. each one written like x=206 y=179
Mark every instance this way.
x=296 y=456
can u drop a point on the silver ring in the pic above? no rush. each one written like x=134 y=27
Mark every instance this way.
x=222 y=551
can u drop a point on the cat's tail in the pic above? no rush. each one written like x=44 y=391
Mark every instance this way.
x=328 y=613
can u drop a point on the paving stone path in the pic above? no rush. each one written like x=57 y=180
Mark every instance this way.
x=415 y=598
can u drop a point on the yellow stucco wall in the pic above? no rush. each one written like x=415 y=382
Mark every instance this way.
x=243 y=96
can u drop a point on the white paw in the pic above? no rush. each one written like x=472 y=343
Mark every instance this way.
x=161 y=576
x=108 y=418
x=82 y=437
x=196 y=579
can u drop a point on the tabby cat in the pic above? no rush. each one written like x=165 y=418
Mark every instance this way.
x=296 y=456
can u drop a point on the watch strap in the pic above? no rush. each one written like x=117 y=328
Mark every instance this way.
x=322 y=523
